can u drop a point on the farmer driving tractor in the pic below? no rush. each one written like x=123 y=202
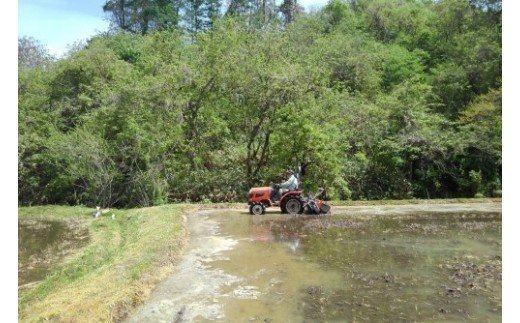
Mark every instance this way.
x=290 y=185
x=287 y=195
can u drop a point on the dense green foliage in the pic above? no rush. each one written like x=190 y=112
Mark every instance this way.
x=387 y=99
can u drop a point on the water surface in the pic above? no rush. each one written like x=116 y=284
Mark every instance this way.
x=42 y=244
x=348 y=267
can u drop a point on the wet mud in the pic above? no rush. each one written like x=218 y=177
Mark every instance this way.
x=384 y=264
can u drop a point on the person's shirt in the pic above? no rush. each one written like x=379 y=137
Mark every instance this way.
x=291 y=183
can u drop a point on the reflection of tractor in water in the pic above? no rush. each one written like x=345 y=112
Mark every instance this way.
x=292 y=201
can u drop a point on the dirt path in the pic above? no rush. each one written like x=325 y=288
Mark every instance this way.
x=189 y=291
x=198 y=290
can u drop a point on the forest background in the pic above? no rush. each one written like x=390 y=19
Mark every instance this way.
x=200 y=100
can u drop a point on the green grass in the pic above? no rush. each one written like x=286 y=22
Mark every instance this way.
x=371 y=202
x=121 y=264
x=414 y=201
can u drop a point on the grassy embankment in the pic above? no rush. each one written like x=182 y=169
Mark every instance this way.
x=376 y=202
x=101 y=282
x=417 y=201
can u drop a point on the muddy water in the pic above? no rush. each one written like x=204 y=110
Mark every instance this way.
x=427 y=267
x=42 y=244
x=424 y=264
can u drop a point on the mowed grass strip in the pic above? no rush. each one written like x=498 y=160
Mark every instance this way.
x=415 y=201
x=244 y=205
x=103 y=281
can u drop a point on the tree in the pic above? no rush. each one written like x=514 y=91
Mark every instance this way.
x=201 y=14
x=121 y=14
x=32 y=53
x=141 y=16
x=290 y=10
x=479 y=149
x=256 y=13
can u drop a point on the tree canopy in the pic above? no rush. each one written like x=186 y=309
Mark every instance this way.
x=190 y=101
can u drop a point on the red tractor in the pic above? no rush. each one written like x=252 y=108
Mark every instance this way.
x=292 y=202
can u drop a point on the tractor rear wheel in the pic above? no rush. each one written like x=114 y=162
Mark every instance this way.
x=257 y=209
x=293 y=205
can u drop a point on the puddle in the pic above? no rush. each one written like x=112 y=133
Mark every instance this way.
x=423 y=266
x=43 y=243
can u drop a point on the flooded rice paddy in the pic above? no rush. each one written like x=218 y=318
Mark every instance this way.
x=42 y=244
x=390 y=264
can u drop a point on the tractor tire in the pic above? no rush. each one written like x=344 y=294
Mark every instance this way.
x=293 y=205
x=257 y=209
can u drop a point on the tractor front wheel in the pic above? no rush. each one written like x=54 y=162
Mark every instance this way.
x=292 y=205
x=257 y=209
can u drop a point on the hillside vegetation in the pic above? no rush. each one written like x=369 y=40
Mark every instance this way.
x=386 y=99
